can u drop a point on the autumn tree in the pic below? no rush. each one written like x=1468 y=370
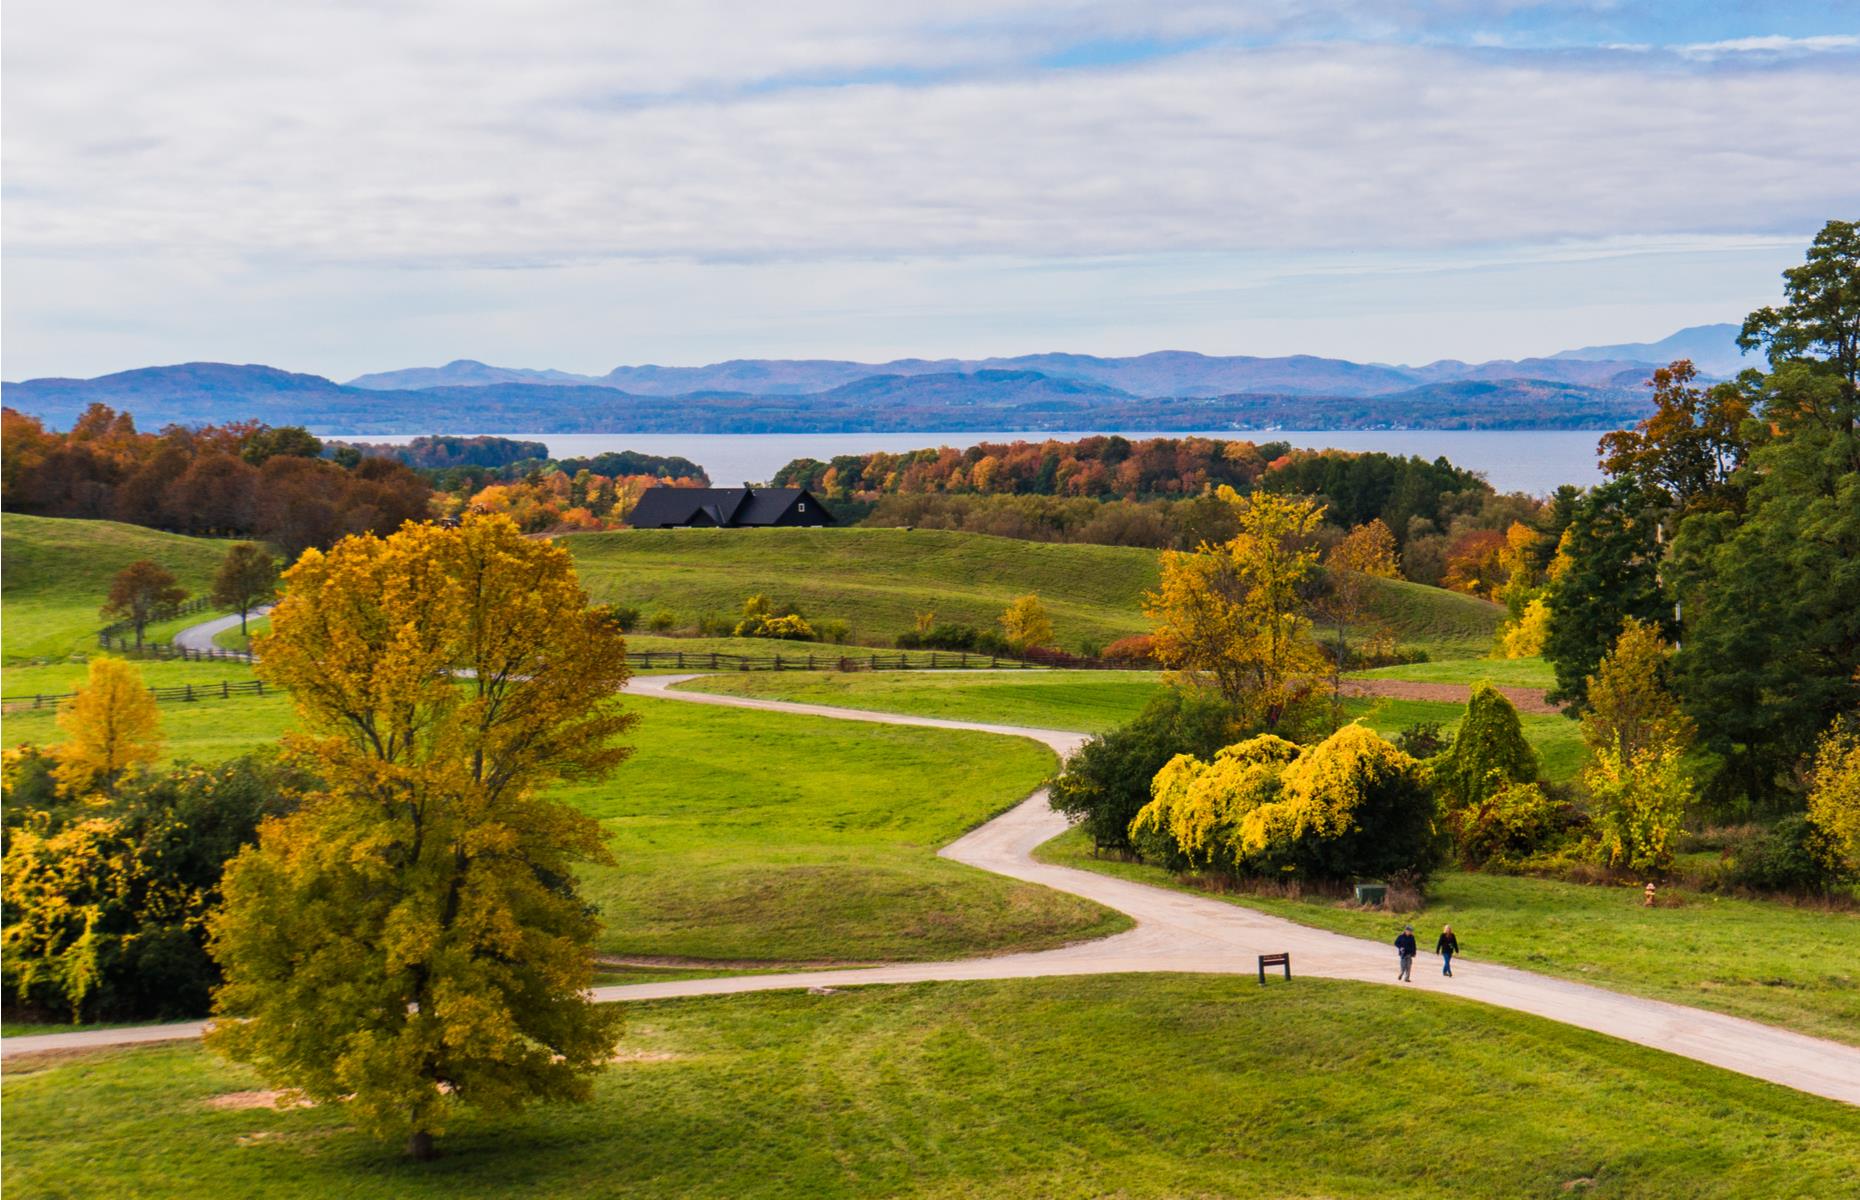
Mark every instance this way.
x=111 y=725
x=1691 y=448
x=412 y=938
x=142 y=592
x=1024 y=624
x=246 y=577
x=1365 y=554
x=1632 y=709
x=1233 y=614
x=1834 y=792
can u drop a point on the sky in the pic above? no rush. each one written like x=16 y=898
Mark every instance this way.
x=350 y=186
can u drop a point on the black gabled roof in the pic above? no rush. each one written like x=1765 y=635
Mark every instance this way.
x=682 y=506
x=724 y=507
x=767 y=504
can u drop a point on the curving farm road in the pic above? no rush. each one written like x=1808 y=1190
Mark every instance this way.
x=1177 y=931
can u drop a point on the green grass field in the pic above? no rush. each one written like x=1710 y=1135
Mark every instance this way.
x=1093 y=701
x=1505 y=672
x=1126 y=1086
x=1087 y=701
x=1794 y=967
x=759 y=836
x=877 y=580
x=57 y=574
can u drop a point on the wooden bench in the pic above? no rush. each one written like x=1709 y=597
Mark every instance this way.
x=1274 y=960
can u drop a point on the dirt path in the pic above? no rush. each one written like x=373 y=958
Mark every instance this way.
x=1177 y=931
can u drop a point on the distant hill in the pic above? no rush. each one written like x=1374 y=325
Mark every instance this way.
x=1166 y=374
x=1712 y=349
x=919 y=401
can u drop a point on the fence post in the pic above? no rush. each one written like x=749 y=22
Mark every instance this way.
x=778 y=660
x=713 y=660
x=225 y=689
x=190 y=693
x=261 y=686
x=681 y=660
x=35 y=701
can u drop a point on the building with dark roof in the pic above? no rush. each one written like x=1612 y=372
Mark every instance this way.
x=727 y=508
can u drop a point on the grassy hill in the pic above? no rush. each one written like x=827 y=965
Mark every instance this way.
x=877 y=580
x=55 y=574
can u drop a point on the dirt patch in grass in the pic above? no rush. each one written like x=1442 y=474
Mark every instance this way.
x=1524 y=699
x=240 y=1101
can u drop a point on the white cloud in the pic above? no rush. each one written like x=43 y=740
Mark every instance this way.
x=419 y=141
x=1769 y=47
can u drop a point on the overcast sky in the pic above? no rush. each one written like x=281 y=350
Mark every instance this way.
x=339 y=186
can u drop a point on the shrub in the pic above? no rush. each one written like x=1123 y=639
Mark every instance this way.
x=715 y=625
x=1793 y=855
x=1130 y=651
x=764 y=619
x=1423 y=739
x=1638 y=805
x=955 y=636
x=833 y=630
x=1506 y=827
x=1834 y=793
x=1489 y=751
x=626 y=617
x=662 y=620
x=105 y=900
x=1352 y=806
x=1107 y=782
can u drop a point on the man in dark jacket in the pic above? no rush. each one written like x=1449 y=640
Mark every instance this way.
x=1404 y=946
x=1446 y=947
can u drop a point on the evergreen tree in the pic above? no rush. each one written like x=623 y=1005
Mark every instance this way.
x=1606 y=571
x=1488 y=753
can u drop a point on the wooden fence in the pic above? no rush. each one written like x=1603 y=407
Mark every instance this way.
x=697 y=660
x=197 y=604
x=185 y=693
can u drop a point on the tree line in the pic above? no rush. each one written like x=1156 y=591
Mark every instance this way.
x=242 y=480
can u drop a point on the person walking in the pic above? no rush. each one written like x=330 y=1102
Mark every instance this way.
x=1404 y=946
x=1446 y=947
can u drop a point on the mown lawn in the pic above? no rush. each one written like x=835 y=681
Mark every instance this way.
x=762 y=836
x=1093 y=701
x=57 y=574
x=1794 y=967
x=765 y=837
x=1505 y=672
x=1086 y=701
x=1130 y=1086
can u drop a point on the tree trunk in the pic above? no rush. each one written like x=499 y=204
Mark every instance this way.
x=242 y=632
x=420 y=1146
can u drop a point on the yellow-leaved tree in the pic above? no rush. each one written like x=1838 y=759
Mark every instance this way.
x=411 y=938
x=1025 y=624
x=1834 y=791
x=1638 y=787
x=1232 y=615
x=111 y=725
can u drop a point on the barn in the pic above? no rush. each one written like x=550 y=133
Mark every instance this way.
x=727 y=508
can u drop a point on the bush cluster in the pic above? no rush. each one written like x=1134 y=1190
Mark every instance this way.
x=107 y=894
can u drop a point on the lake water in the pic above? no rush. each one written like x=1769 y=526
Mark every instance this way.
x=1535 y=461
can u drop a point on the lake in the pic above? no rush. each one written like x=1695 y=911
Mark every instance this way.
x=1535 y=461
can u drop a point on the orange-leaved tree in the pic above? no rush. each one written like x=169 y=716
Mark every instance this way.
x=111 y=725
x=1232 y=614
x=412 y=939
x=142 y=592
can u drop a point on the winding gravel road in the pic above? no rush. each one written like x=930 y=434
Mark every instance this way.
x=1178 y=931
